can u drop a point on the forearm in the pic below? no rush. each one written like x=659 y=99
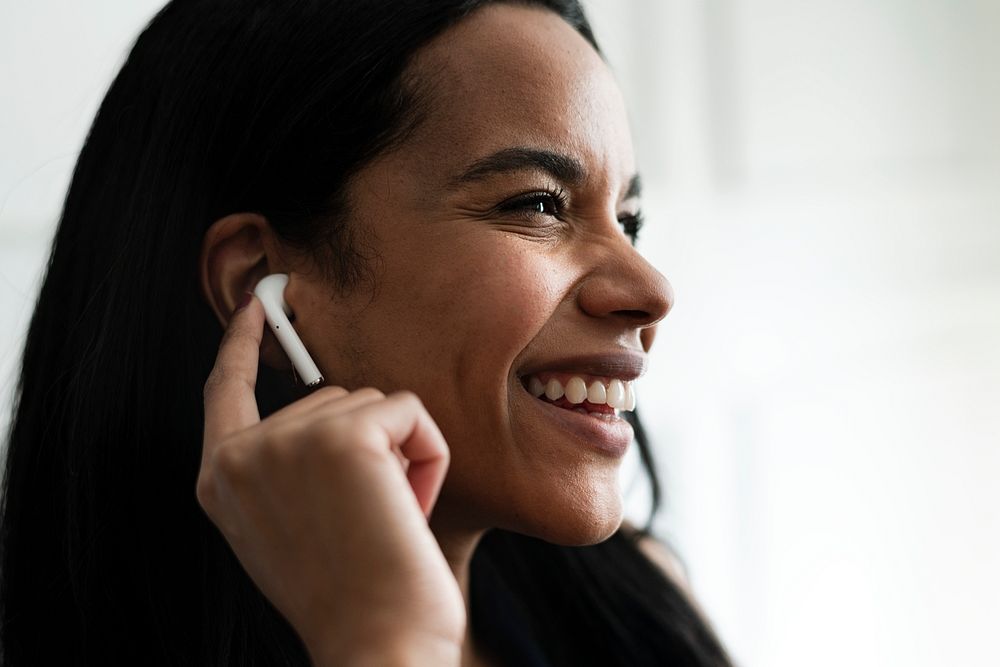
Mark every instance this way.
x=399 y=652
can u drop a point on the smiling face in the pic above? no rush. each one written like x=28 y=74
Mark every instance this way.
x=501 y=254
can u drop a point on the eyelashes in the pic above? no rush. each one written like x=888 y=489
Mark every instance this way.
x=553 y=203
x=544 y=202
x=632 y=224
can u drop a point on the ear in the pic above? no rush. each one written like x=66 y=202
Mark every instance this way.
x=236 y=253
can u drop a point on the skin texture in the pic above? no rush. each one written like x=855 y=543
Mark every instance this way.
x=468 y=294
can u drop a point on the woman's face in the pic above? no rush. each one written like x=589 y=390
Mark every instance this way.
x=483 y=277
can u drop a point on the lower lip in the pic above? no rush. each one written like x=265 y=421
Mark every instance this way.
x=608 y=435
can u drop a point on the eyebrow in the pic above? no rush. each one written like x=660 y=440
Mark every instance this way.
x=562 y=167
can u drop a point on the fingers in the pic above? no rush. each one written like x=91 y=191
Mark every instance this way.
x=309 y=403
x=410 y=428
x=230 y=404
x=334 y=401
x=331 y=399
x=429 y=457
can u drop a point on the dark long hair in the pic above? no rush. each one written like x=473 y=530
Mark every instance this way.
x=107 y=558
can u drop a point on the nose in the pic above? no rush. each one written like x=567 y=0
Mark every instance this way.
x=623 y=286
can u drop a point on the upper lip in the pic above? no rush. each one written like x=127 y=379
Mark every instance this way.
x=622 y=365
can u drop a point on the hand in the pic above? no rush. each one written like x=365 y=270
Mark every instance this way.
x=325 y=503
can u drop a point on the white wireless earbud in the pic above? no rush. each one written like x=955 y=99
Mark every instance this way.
x=271 y=292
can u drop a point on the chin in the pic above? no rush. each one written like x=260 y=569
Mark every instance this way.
x=572 y=524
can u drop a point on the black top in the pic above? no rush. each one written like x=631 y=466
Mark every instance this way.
x=509 y=639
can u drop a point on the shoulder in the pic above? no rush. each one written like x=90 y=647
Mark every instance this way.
x=659 y=554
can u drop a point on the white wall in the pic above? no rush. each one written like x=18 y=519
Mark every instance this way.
x=824 y=197
x=822 y=192
x=57 y=58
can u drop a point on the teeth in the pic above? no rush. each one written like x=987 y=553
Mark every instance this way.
x=597 y=394
x=618 y=394
x=629 y=397
x=553 y=390
x=576 y=391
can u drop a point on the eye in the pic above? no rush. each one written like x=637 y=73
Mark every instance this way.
x=550 y=203
x=632 y=224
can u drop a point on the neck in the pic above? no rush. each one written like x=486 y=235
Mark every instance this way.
x=458 y=541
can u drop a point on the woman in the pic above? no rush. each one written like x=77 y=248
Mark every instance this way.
x=451 y=189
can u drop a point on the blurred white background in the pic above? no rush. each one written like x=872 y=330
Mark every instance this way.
x=823 y=191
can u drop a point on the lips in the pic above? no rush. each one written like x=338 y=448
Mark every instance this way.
x=599 y=429
x=598 y=383
x=622 y=365
x=580 y=416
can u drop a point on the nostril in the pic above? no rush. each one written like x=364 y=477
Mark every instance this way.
x=634 y=314
x=633 y=292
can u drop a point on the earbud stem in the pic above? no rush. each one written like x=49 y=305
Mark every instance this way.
x=271 y=292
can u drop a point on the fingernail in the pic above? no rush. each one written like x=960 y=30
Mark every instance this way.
x=247 y=296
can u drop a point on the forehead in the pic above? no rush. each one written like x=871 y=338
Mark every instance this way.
x=510 y=75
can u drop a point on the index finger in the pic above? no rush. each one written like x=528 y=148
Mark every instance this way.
x=230 y=403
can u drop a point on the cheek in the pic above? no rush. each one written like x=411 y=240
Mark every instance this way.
x=452 y=315
x=502 y=303
x=507 y=299
x=474 y=308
